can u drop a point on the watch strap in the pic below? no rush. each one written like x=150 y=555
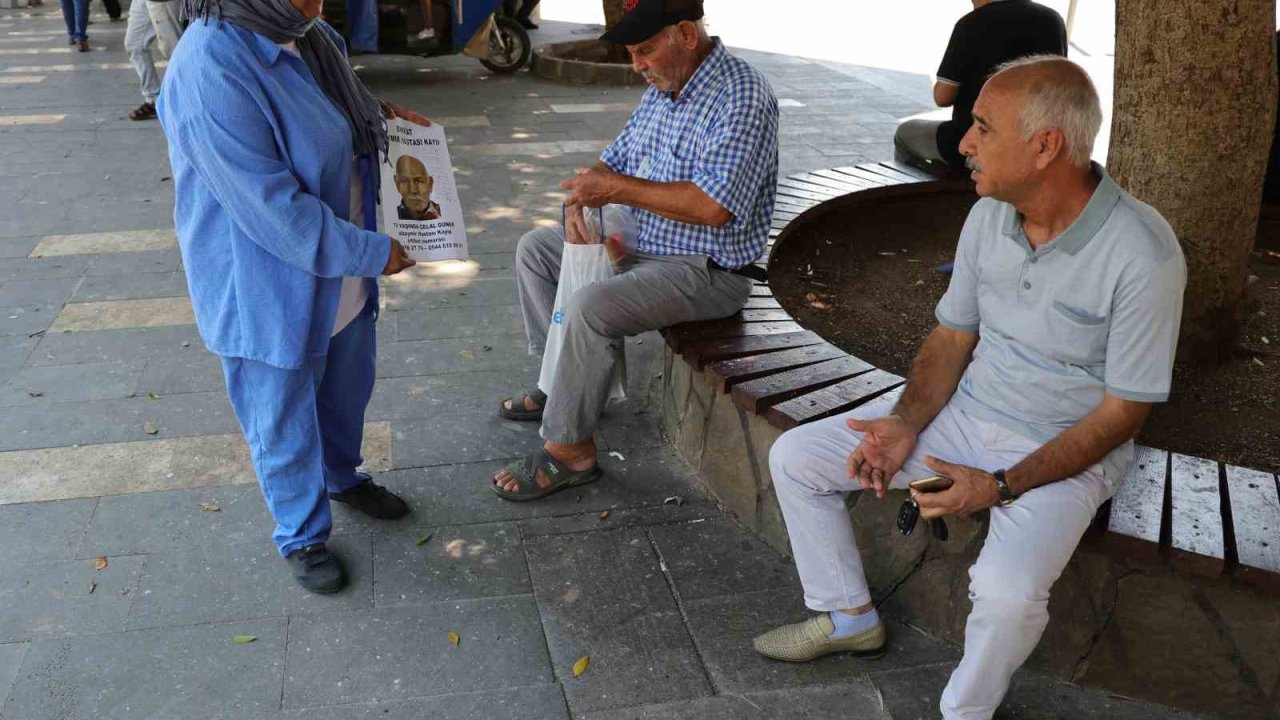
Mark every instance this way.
x=1002 y=487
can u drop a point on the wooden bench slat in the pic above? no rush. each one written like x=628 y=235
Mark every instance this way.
x=1255 y=515
x=765 y=315
x=761 y=291
x=724 y=374
x=762 y=303
x=880 y=169
x=687 y=334
x=833 y=400
x=700 y=353
x=854 y=184
x=756 y=395
x=1198 y=542
x=1138 y=506
x=785 y=191
x=798 y=204
x=870 y=177
x=792 y=184
x=839 y=186
x=909 y=171
x=784 y=215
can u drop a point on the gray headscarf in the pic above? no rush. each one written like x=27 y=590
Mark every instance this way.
x=280 y=22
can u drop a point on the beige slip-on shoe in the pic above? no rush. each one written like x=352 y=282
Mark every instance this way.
x=807 y=640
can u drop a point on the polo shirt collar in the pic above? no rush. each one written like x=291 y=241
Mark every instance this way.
x=268 y=52
x=1081 y=231
x=706 y=72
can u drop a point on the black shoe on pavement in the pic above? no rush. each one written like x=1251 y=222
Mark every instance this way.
x=373 y=500
x=528 y=24
x=317 y=570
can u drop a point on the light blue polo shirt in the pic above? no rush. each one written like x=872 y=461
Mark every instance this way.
x=1095 y=311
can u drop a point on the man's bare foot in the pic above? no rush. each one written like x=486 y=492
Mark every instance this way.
x=529 y=404
x=576 y=457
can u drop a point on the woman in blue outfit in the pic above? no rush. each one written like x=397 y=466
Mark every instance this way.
x=275 y=146
x=76 y=14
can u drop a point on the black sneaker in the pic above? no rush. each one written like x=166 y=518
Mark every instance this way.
x=373 y=500
x=317 y=570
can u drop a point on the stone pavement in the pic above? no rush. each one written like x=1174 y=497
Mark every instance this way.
x=134 y=545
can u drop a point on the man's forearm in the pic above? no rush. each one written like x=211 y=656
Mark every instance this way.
x=680 y=201
x=934 y=375
x=1080 y=446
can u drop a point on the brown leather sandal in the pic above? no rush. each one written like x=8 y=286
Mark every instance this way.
x=145 y=111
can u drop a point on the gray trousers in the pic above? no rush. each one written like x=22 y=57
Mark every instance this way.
x=151 y=23
x=918 y=138
x=655 y=292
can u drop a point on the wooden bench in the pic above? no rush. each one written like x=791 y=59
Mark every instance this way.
x=1199 y=515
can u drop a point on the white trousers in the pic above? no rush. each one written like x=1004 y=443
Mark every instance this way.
x=150 y=22
x=1028 y=544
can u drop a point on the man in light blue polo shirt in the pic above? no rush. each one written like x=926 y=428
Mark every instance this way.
x=697 y=164
x=1054 y=339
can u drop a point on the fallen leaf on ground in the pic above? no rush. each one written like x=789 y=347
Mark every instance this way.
x=1259 y=363
x=468 y=354
x=210 y=507
x=35 y=393
x=424 y=540
x=674 y=500
x=245 y=639
x=153 y=395
x=149 y=428
x=100 y=562
x=581 y=666
x=454 y=639
x=93 y=585
x=604 y=514
x=616 y=454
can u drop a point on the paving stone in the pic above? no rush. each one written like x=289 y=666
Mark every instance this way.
x=398 y=653
x=146 y=262
x=448 y=439
x=105 y=242
x=71 y=383
x=113 y=421
x=41 y=533
x=136 y=286
x=195 y=673
x=10 y=660
x=913 y=694
x=180 y=373
x=55 y=599
x=155 y=522
x=430 y=395
x=17 y=247
x=449 y=495
x=13 y=353
x=123 y=314
x=856 y=699
x=438 y=357
x=724 y=626
x=661 y=516
x=459 y=323
x=118 y=345
x=456 y=563
x=65 y=267
x=220 y=582
x=603 y=595
x=495 y=291
x=539 y=702
x=719 y=557
x=36 y=293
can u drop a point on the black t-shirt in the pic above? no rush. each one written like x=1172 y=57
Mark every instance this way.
x=993 y=34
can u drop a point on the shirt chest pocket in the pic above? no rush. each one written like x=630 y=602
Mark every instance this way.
x=670 y=167
x=1078 y=336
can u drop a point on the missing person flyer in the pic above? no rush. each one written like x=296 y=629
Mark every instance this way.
x=420 y=206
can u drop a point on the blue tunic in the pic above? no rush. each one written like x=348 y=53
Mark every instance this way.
x=262 y=164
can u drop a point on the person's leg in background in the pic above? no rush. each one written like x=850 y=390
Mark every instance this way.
x=69 y=17
x=362 y=26
x=917 y=140
x=139 y=36
x=167 y=23
x=76 y=15
x=113 y=9
x=276 y=408
x=341 y=402
x=525 y=11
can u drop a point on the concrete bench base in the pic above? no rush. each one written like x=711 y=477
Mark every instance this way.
x=1133 y=628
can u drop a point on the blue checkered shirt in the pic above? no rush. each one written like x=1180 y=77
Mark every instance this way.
x=721 y=133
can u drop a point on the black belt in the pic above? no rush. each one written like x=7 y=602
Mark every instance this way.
x=755 y=272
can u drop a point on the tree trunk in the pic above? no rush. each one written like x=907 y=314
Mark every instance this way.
x=613 y=10
x=1195 y=85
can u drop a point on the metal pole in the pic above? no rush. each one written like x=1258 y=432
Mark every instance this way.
x=1071 y=17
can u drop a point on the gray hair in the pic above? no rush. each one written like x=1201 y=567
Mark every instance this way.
x=1057 y=93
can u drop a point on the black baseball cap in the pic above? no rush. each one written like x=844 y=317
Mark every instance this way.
x=643 y=19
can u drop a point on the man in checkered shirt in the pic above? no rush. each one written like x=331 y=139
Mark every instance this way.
x=697 y=163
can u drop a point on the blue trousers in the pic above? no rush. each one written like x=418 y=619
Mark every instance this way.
x=362 y=25
x=304 y=428
x=76 y=15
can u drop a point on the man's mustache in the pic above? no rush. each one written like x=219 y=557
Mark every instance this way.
x=972 y=164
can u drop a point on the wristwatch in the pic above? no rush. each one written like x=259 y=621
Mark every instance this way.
x=1002 y=486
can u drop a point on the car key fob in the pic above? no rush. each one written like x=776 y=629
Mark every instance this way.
x=939 y=528
x=908 y=514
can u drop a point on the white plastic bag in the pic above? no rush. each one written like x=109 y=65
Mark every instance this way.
x=580 y=266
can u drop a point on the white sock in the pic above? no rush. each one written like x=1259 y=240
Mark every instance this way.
x=850 y=625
